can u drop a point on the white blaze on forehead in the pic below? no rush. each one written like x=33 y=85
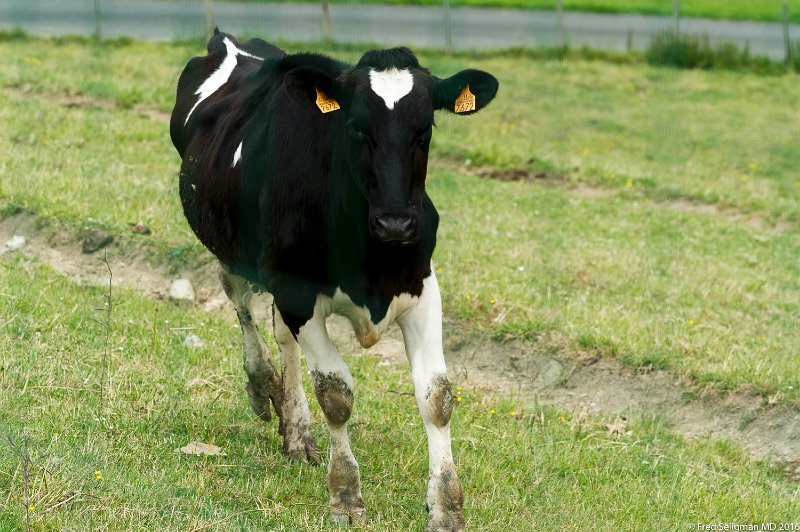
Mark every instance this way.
x=220 y=75
x=237 y=156
x=391 y=85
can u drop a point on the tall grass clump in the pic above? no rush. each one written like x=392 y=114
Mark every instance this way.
x=794 y=57
x=686 y=51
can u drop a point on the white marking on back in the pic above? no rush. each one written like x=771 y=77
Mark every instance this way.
x=391 y=85
x=237 y=156
x=220 y=75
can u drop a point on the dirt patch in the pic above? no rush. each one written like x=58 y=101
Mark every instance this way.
x=600 y=386
x=728 y=213
x=528 y=371
x=80 y=101
x=518 y=174
x=554 y=179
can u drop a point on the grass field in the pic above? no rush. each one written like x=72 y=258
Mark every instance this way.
x=538 y=469
x=662 y=231
x=667 y=236
x=715 y=9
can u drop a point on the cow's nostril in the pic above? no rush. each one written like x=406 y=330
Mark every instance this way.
x=393 y=227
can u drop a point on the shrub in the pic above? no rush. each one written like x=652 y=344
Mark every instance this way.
x=668 y=49
x=794 y=57
x=684 y=51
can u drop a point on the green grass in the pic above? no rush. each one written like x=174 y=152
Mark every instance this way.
x=538 y=469
x=664 y=235
x=677 y=249
x=715 y=9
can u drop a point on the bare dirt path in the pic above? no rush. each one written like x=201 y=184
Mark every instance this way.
x=529 y=372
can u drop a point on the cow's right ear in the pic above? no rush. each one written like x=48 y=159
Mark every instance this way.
x=314 y=89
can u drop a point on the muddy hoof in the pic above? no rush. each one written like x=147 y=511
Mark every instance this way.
x=445 y=502
x=259 y=402
x=354 y=516
x=306 y=453
x=445 y=522
x=299 y=444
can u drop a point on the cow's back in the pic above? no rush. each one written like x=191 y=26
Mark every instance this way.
x=206 y=128
x=200 y=69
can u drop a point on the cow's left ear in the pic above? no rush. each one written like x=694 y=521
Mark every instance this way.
x=465 y=93
x=314 y=89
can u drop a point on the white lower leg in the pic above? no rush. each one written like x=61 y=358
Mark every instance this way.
x=444 y=499
x=422 y=333
x=296 y=418
x=333 y=386
x=344 y=479
x=263 y=382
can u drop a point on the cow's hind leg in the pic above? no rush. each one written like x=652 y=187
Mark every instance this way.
x=295 y=427
x=333 y=386
x=264 y=385
x=422 y=332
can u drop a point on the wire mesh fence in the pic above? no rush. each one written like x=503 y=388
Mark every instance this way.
x=440 y=25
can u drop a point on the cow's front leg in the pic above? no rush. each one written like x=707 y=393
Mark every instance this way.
x=422 y=333
x=263 y=385
x=333 y=386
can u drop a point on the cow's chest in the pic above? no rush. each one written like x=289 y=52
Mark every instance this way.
x=367 y=332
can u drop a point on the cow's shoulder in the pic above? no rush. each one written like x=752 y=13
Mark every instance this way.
x=309 y=60
x=263 y=49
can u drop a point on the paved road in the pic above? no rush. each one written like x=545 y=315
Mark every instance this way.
x=386 y=25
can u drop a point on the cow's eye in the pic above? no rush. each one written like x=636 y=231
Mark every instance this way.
x=424 y=138
x=357 y=133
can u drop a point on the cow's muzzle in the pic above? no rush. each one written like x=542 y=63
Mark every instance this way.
x=401 y=228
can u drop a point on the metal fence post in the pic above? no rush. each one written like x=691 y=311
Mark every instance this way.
x=676 y=8
x=209 y=11
x=448 y=29
x=562 y=38
x=787 y=44
x=326 y=21
x=97 y=34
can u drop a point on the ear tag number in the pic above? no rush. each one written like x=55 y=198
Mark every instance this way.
x=325 y=103
x=465 y=102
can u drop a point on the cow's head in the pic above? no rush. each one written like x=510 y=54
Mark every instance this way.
x=387 y=101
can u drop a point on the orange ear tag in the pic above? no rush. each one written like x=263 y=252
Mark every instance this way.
x=465 y=102
x=325 y=103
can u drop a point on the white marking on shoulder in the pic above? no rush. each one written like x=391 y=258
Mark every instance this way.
x=391 y=85
x=220 y=75
x=237 y=156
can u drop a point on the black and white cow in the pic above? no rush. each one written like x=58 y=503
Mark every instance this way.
x=305 y=177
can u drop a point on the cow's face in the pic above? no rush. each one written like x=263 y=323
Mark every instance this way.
x=387 y=103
